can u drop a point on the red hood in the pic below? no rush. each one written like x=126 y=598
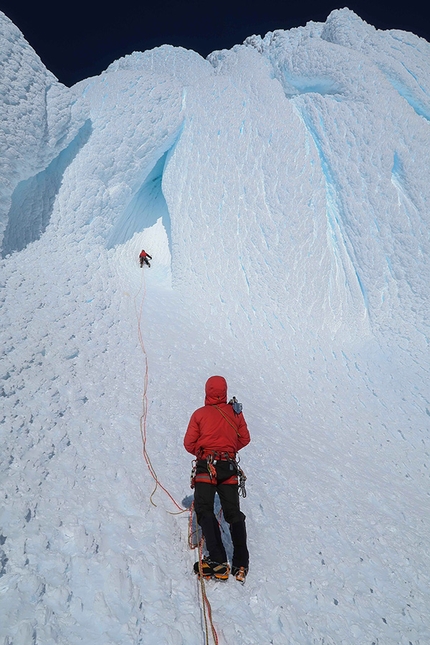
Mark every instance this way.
x=216 y=390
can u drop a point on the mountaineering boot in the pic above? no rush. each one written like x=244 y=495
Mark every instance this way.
x=211 y=569
x=206 y=567
x=240 y=574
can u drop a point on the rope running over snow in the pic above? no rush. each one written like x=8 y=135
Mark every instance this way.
x=144 y=415
x=206 y=606
x=207 y=609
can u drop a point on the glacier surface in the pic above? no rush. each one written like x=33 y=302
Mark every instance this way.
x=282 y=190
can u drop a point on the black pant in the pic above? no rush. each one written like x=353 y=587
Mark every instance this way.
x=204 y=496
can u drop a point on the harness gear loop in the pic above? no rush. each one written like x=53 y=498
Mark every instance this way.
x=211 y=468
x=211 y=477
x=193 y=473
x=242 y=479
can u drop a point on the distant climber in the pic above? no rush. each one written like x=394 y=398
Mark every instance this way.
x=214 y=435
x=143 y=257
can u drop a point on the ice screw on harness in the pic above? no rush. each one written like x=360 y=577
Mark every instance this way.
x=193 y=474
x=211 y=467
x=242 y=479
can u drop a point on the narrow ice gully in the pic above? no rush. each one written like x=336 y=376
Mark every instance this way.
x=282 y=190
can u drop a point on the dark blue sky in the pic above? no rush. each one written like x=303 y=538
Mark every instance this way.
x=80 y=39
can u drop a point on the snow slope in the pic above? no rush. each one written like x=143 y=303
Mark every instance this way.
x=282 y=190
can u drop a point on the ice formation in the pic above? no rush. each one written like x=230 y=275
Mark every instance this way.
x=282 y=190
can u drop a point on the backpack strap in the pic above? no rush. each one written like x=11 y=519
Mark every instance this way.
x=229 y=421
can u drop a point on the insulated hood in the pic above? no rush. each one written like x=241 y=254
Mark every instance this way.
x=216 y=390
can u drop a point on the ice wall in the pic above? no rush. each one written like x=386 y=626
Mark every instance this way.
x=363 y=98
x=298 y=150
x=40 y=118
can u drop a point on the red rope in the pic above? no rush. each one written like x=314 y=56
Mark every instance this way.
x=207 y=609
x=144 y=415
x=193 y=544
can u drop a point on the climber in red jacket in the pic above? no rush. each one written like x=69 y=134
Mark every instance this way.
x=215 y=433
x=143 y=257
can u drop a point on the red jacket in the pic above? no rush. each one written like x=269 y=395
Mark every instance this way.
x=215 y=427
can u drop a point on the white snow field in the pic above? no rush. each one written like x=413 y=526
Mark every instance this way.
x=283 y=191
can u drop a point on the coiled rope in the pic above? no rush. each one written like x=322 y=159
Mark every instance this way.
x=207 y=609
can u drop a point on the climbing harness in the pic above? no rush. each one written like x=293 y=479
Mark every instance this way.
x=210 y=477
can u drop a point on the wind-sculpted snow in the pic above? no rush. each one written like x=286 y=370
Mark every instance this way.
x=364 y=131
x=282 y=190
x=33 y=199
x=39 y=116
x=403 y=59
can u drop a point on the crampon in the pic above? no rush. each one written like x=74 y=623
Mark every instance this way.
x=209 y=569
